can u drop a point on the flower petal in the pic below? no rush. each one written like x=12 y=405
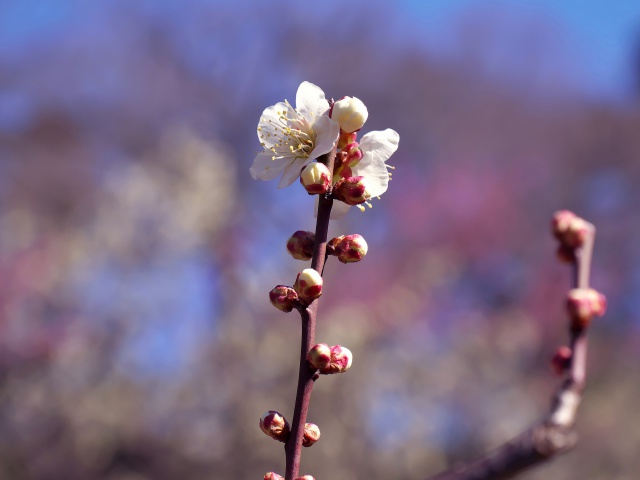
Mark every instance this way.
x=376 y=174
x=327 y=132
x=338 y=210
x=292 y=172
x=378 y=146
x=311 y=102
x=270 y=125
x=264 y=168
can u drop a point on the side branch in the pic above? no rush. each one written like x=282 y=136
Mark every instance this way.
x=293 y=446
x=554 y=434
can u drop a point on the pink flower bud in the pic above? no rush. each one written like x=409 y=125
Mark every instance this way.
x=354 y=154
x=284 y=298
x=583 y=304
x=345 y=139
x=570 y=229
x=300 y=245
x=350 y=113
x=316 y=178
x=308 y=284
x=272 y=476
x=332 y=245
x=274 y=425
x=311 y=434
x=352 y=248
x=319 y=356
x=341 y=359
x=561 y=221
x=305 y=477
x=352 y=190
x=561 y=360
x=346 y=160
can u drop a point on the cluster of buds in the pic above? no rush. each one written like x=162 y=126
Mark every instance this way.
x=300 y=245
x=307 y=287
x=275 y=476
x=348 y=248
x=304 y=139
x=583 y=304
x=350 y=113
x=571 y=231
x=329 y=360
x=275 y=426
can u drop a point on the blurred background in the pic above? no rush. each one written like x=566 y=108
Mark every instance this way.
x=136 y=337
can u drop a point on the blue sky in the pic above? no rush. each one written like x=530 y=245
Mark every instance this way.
x=602 y=33
x=597 y=35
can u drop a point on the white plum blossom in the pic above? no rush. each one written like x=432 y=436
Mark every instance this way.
x=376 y=148
x=293 y=137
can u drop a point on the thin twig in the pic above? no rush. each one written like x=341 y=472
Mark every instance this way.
x=293 y=447
x=555 y=433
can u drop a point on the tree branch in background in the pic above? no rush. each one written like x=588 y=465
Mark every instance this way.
x=555 y=433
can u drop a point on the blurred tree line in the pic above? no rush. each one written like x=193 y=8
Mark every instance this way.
x=136 y=253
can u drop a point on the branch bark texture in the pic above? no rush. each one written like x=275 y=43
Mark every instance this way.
x=308 y=315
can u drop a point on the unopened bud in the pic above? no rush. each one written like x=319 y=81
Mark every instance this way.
x=561 y=221
x=350 y=113
x=284 y=298
x=273 y=476
x=319 y=356
x=308 y=284
x=316 y=178
x=305 y=477
x=345 y=139
x=274 y=425
x=561 y=360
x=352 y=190
x=352 y=248
x=311 y=434
x=583 y=304
x=354 y=154
x=570 y=229
x=300 y=245
x=341 y=359
x=346 y=159
x=332 y=245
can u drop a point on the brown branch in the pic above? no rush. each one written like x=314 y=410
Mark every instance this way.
x=293 y=447
x=555 y=433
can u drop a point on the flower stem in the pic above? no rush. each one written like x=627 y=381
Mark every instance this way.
x=293 y=447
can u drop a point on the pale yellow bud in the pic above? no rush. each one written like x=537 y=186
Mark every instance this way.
x=308 y=284
x=350 y=113
x=316 y=178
